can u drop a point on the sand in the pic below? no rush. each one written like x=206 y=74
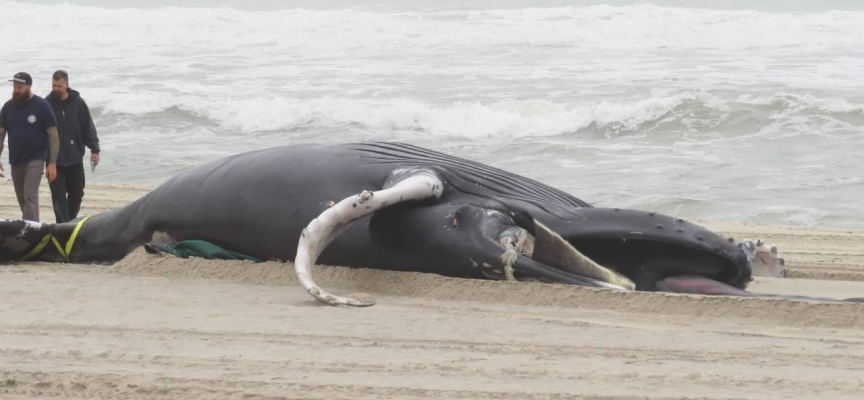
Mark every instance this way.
x=160 y=327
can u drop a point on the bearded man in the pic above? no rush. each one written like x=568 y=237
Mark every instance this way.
x=33 y=142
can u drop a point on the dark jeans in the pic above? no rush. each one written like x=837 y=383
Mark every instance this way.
x=67 y=191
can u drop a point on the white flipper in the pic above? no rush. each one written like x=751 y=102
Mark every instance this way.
x=421 y=184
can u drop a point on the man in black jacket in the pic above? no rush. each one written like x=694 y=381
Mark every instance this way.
x=76 y=130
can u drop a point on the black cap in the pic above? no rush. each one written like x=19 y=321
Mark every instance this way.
x=22 y=77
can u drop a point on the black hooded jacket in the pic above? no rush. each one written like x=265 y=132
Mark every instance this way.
x=76 y=128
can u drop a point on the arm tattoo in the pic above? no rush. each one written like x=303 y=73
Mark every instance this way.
x=54 y=144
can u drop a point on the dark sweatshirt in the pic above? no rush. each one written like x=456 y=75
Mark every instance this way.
x=76 y=128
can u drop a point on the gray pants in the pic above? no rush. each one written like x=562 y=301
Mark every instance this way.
x=26 y=178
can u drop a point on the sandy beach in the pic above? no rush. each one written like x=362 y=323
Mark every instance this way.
x=160 y=327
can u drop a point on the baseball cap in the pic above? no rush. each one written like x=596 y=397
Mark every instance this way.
x=22 y=77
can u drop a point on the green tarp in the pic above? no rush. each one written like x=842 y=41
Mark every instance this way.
x=198 y=248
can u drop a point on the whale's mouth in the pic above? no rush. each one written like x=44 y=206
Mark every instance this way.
x=622 y=261
x=551 y=249
x=647 y=247
x=647 y=261
x=545 y=249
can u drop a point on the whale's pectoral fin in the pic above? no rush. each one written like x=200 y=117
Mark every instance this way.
x=419 y=184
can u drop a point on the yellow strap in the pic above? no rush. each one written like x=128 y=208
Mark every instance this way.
x=36 y=250
x=59 y=247
x=63 y=252
x=74 y=235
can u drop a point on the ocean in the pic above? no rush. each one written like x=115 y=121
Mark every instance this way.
x=734 y=110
